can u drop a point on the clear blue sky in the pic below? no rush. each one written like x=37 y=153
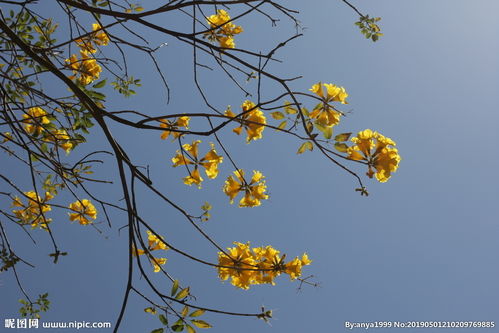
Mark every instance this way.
x=421 y=247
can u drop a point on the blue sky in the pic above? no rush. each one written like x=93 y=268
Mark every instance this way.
x=421 y=247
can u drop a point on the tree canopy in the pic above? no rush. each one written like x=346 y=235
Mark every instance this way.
x=68 y=71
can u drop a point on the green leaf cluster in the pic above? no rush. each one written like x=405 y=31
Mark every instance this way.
x=185 y=321
x=8 y=259
x=369 y=28
x=288 y=111
x=206 y=211
x=340 y=144
x=33 y=309
x=123 y=86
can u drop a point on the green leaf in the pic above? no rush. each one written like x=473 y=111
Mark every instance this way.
x=185 y=311
x=97 y=95
x=342 y=137
x=206 y=206
x=341 y=147
x=100 y=84
x=363 y=191
x=158 y=330
x=33 y=158
x=327 y=131
x=177 y=327
x=310 y=126
x=289 y=109
x=197 y=313
x=163 y=319
x=183 y=293
x=282 y=125
x=201 y=323
x=277 y=115
x=174 y=288
x=190 y=329
x=305 y=146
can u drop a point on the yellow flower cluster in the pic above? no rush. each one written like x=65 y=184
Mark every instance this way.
x=87 y=67
x=221 y=30
x=37 y=123
x=173 y=125
x=252 y=119
x=154 y=243
x=61 y=139
x=33 y=212
x=84 y=212
x=378 y=151
x=324 y=113
x=254 y=191
x=34 y=120
x=259 y=265
x=189 y=156
x=98 y=37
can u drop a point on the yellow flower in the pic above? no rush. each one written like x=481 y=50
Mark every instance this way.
x=101 y=38
x=73 y=62
x=193 y=178
x=227 y=42
x=252 y=119
x=254 y=191
x=34 y=120
x=241 y=258
x=270 y=263
x=189 y=156
x=169 y=125
x=137 y=252
x=98 y=38
x=336 y=93
x=234 y=185
x=210 y=162
x=84 y=212
x=218 y=19
x=221 y=30
x=156 y=262
x=260 y=265
x=293 y=268
x=88 y=68
x=86 y=45
x=305 y=260
x=61 y=139
x=155 y=243
x=324 y=113
x=33 y=212
x=378 y=151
